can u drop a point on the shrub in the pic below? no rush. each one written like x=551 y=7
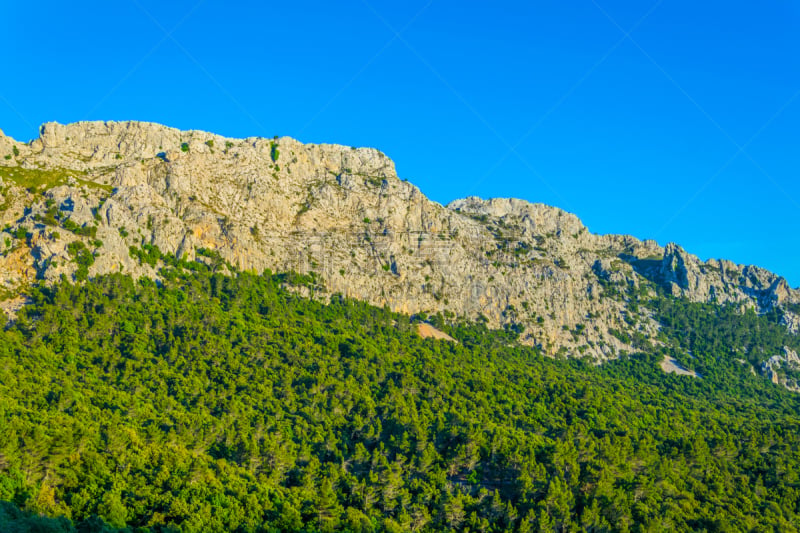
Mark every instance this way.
x=148 y=254
x=82 y=257
x=185 y=147
x=85 y=231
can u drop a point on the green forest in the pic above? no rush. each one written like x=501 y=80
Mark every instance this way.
x=210 y=402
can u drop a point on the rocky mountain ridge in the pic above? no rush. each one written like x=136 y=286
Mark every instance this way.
x=91 y=198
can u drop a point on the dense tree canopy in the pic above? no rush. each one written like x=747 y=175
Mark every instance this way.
x=211 y=402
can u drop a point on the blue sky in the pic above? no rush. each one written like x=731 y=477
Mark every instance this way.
x=672 y=120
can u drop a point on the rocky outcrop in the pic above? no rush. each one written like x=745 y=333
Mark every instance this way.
x=343 y=213
x=780 y=368
x=720 y=281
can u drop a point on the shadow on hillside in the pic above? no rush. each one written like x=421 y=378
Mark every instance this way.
x=649 y=269
x=15 y=520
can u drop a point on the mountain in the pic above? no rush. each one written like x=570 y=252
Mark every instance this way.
x=91 y=198
x=212 y=335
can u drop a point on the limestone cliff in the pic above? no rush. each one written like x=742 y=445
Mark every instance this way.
x=343 y=213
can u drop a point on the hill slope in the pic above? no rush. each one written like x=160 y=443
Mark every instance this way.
x=227 y=403
x=157 y=375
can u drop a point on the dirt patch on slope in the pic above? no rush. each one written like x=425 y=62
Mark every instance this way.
x=427 y=331
x=671 y=366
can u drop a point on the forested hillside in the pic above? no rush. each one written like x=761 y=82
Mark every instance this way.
x=210 y=402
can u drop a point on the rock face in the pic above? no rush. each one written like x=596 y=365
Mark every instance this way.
x=344 y=214
x=788 y=361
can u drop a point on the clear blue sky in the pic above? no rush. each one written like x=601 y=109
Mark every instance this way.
x=675 y=120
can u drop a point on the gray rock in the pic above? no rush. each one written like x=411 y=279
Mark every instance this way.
x=344 y=214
